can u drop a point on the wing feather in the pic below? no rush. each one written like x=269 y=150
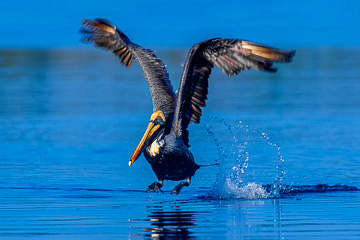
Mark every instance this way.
x=230 y=55
x=106 y=35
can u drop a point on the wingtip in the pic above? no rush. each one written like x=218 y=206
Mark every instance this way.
x=291 y=55
x=105 y=21
x=104 y=34
x=266 y=52
x=86 y=22
x=100 y=23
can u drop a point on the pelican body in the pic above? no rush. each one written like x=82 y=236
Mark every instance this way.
x=165 y=143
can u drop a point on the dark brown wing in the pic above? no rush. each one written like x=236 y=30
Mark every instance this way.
x=231 y=56
x=106 y=35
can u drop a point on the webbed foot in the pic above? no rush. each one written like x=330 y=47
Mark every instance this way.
x=178 y=187
x=156 y=187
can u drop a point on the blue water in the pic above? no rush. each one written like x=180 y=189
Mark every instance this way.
x=48 y=24
x=285 y=144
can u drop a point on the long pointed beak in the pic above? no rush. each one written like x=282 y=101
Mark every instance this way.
x=148 y=133
x=156 y=120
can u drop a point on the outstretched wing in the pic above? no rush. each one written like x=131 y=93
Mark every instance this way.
x=231 y=56
x=106 y=35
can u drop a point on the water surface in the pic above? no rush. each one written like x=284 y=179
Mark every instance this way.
x=285 y=145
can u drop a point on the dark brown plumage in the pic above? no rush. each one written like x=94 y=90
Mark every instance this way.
x=165 y=142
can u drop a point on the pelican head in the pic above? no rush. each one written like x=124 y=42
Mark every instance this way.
x=156 y=123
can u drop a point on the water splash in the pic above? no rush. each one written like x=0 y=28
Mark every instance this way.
x=233 y=180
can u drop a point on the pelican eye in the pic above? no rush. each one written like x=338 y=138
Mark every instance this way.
x=158 y=121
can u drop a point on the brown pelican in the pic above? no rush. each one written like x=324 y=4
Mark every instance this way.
x=165 y=143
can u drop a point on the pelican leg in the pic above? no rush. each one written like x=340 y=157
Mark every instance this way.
x=178 y=187
x=156 y=187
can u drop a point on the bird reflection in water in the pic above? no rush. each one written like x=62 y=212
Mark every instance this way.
x=173 y=224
